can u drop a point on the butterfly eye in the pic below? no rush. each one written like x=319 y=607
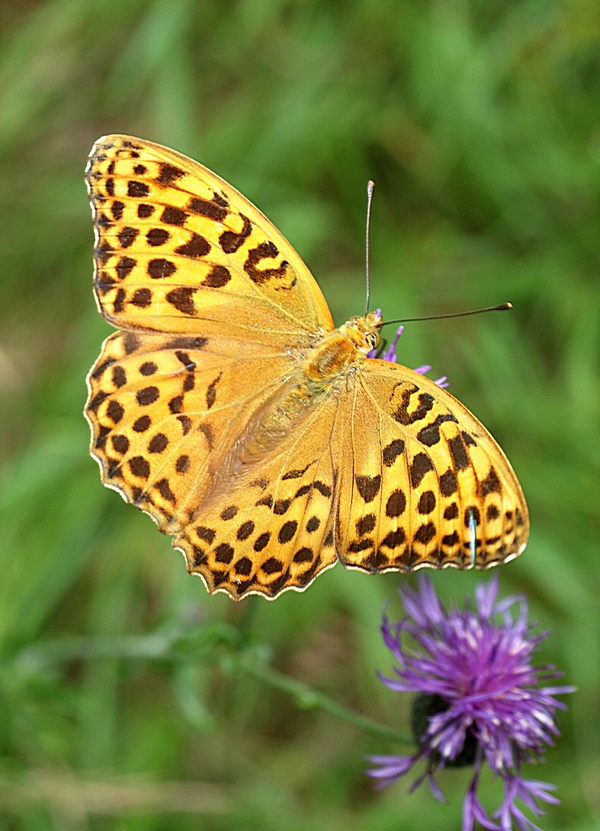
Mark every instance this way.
x=372 y=339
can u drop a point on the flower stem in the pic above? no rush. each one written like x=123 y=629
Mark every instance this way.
x=308 y=697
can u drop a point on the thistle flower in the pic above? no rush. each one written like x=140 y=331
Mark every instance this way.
x=478 y=699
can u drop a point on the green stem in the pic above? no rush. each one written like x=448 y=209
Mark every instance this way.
x=307 y=697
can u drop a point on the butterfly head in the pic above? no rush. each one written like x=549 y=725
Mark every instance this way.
x=363 y=332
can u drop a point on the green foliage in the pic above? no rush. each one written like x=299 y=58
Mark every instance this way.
x=131 y=699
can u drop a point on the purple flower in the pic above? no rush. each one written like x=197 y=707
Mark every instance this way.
x=478 y=698
x=389 y=354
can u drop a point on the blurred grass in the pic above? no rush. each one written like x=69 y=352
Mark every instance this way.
x=479 y=122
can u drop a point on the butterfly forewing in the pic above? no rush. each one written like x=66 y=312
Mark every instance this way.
x=180 y=250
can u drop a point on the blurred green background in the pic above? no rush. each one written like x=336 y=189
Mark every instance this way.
x=130 y=698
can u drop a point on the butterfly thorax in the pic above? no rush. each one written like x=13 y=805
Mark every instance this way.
x=339 y=350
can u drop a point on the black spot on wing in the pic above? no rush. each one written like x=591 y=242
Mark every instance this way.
x=137 y=189
x=448 y=483
x=230 y=241
x=212 y=209
x=160 y=268
x=125 y=266
x=127 y=236
x=368 y=486
x=430 y=435
x=217 y=277
x=173 y=216
x=420 y=465
x=182 y=299
x=141 y=298
x=392 y=451
x=157 y=236
x=195 y=248
x=491 y=483
x=169 y=173
x=425 y=403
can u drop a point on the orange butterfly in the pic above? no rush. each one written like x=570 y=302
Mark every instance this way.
x=228 y=407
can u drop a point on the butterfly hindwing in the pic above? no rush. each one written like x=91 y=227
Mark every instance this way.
x=271 y=527
x=165 y=412
x=415 y=467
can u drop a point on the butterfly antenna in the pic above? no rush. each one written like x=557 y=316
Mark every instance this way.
x=502 y=307
x=370 y=186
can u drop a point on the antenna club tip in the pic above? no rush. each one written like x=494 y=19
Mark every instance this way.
x=370 y=185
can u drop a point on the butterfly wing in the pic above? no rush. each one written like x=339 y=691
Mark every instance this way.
x=214 y=310
x=166 y=410
x=179 y=250
x=270 y=528
x=417 y=469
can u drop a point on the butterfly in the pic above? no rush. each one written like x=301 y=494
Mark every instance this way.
x=229 y=408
